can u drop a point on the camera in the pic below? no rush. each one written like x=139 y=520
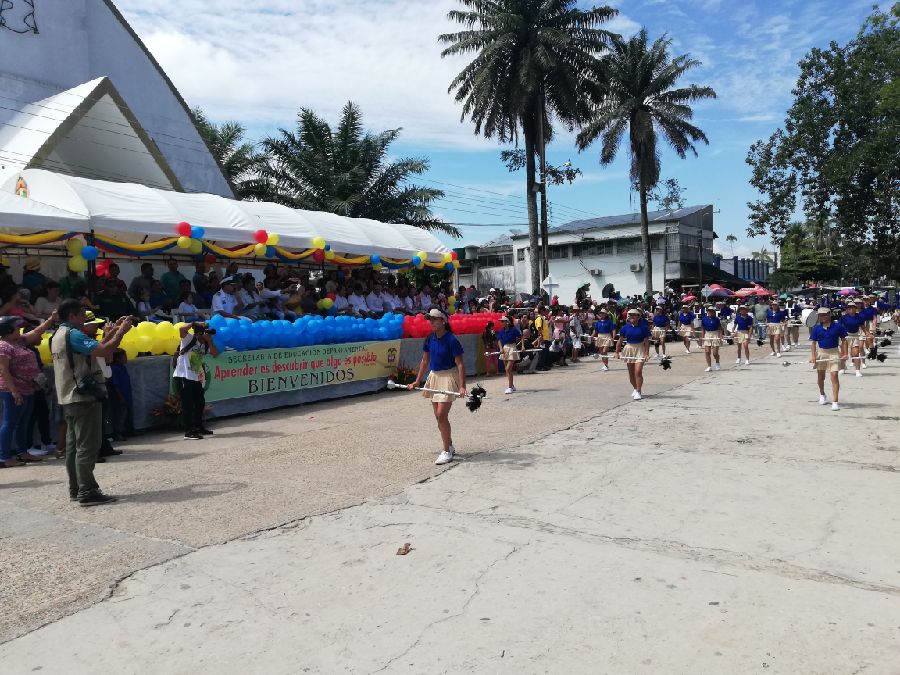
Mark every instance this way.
x=201 y=328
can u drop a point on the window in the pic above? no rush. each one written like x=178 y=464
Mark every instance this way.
x=520 y=254
x=495 y=260
x=592 y=248
x=656 y=243
x=625 y=246
x=558 y=252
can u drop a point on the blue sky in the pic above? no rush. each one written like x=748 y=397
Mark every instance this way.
x=258 y=62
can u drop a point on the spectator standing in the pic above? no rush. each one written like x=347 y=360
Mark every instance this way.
x=69 y=283
x=171 y=280
x=112 y=274
x=121 y=397
x=190 y=377
x=82 y=409
x=113 y=303
x=201 y=285
x=32 y=277
x=157 y=294
x=142 y=282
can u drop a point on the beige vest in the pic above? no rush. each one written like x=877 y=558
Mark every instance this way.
x=63 y=375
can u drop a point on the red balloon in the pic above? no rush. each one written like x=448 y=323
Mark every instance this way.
x=454 y=255
x=318 y=255
x=102 y=268
x=261 y=236
x=183 y=229
x=331 y=296
x=210 y=258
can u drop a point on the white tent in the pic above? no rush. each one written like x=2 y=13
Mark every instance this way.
x=135 y=213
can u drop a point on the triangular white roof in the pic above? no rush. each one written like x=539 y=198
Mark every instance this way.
x=86 y=131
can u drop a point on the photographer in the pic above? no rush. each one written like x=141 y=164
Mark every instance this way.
x=80 y=392
x=190 y=377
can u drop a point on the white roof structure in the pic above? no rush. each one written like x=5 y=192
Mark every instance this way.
x=134 y=213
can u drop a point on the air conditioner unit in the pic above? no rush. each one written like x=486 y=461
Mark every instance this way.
x=597 y=273
x=637 y=267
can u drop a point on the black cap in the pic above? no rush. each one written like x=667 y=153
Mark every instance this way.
x=9 y=324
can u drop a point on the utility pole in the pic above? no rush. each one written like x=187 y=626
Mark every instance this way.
x=542 y=156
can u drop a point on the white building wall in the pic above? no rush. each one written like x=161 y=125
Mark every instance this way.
x=81 y=40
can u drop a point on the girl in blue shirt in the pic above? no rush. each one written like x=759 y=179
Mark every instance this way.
x=829 y=348
x=743 y=324
x=636 y=335
x=658 y=332
x=509 y=338
x=442 y=355
x=774 y=328
x=604 y=336
x=686 y=327
x=852 y=323
x=712 y=337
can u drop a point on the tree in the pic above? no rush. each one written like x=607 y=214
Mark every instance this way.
x=236 y=156
x=345 y=171
x=838 y=150
x=531 y=58
x=668 y=195
x=762 y=254
x=640 y=95
x=731 y=239
x=555 y=175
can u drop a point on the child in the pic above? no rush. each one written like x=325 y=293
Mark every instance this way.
x=164 y=312
x=121 y=401
x=187 y=309
x=143 y=306
x=489 y=337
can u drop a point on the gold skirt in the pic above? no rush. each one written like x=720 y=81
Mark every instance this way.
x=658 y=333
x=712 y=341
x=510 y=353
x=828 y=360
x=604 y=340
x=773 y=329
x=741 y=336
x=632 y=352
x=448 y=380
x=685 y=330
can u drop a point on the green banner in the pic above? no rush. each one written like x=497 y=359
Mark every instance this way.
x=268 y=371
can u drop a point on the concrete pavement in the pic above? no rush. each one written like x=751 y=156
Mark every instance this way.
x=727 y=525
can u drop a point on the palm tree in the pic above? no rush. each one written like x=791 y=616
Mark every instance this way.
x=762 y=254
x=345 y=171
x=731 y=239
x=639 y=94
x=531 y=60
x=236 y=157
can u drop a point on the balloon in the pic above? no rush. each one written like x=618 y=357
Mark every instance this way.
x=329 y=255
x=145 y=343
x=449 y=267
x=376 y=267
x=375 y=259
x=145 y=328
x=454 y=255
x=74 y=245
x=44 y=351
x=159 y=345
x=210 y=258
x=261 y=237
x=448 y=258
x=260 y=249
x=77 y=264
x=417 y=261
x=273 y=239
x=318 y=255
x=271 y=252
x=196 y=246
x=102 y=268
x=327 y=303
x=331 y=296
x=184 y=242
x=197 y=233
x=318 y=243
x=164 y=329
x=172 y=345
x=423 y=255
x=183 y=229
x=327 y=247
x=89 y=252
x=131 y=350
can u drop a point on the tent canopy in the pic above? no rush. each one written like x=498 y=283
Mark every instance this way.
x=132 y=213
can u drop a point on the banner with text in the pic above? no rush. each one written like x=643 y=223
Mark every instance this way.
x=268 y=371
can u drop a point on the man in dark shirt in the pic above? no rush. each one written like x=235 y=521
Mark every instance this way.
x=201 y=286
x=113 y=303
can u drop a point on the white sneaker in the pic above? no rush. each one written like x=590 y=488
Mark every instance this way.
x=835 y=406
x=738 y=362
x=687 y=351
x=842 y=371
x=636 y=396
x=772 y=354
x=788 y=348
x=509 y=390
x=514 y=389
x=859 y=373
x=445 y=457
x=605 y=368
x=37 y=452
x=747 y=362
x=708 y=369
x=864 y=365
x=777 y=353
x=718 y=367
x=822 y=399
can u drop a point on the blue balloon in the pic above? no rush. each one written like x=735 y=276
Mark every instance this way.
x=89 y=252
x=416 y=260
x=197 y=233
x=449 y=267
x=375 y=259
x=271 y=252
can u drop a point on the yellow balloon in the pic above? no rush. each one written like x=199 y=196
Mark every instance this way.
x=184 y=242
x=172 y=345
x=177 y=329
x=44 y=351
x=196 y=246
x=329 y=255
x=129 y=337
x=163 y=330
x=318 y=242
x=145 y=328
x=448 y=258
x=273 y=239
x=74 y=245
x=78 y=264
x=422 y=255
x=131 y=350
x=159 y=345
x=145 y=343
x=260 y=249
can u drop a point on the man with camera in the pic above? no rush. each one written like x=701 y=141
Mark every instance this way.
x=80 y=391
x=190 y=376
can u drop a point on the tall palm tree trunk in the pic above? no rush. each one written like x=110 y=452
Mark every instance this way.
x=535 y=250
x=645 y=240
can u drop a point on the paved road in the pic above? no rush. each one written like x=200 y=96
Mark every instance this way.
x=729 y=525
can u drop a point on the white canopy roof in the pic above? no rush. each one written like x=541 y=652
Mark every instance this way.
x=132 y=213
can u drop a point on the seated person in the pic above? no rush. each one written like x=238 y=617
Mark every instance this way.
x=187 y=310
x=113 y=303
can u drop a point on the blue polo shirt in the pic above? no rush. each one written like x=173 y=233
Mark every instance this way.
x=851 y=323
x=687 y=319
x=796 y=311
x=743 y=322
x=776 y=317
x=635 y=334
x=711 y=324
x=604 y=326
x=867 y=313
x=509 y=336
x=660 y=320
x=725 y=312
x=442 y=351
x=79 y=342
x=828 y=338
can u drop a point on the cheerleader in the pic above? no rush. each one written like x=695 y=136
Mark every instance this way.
x=774 y=327
x=442 y=356
x=509 y=337
x=636 y=335
x=604 y=335
x=658 y=332
x=686 y=327
x=743 y=325
x=851 y=323
x=712 y=337
x=828 y=349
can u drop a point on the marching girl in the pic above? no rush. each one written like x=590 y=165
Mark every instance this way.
x=712 y=337
x=828 y=349
x=636 y=335
x=686 y=327
x=743 y=325
x=795 y=314
x=869 y=316
x=604 y=334
x=442 y=355
x=509 y=338
x=852 y=322
x=658 y=332
x=774 y=326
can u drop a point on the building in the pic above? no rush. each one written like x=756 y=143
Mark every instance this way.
x=81 y=94
x=748 y=269
x=601 y=251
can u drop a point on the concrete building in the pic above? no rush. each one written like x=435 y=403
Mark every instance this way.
x=81 y=94
x=601 y=251
x=747 y=269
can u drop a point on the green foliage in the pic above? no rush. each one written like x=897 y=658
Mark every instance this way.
x=556 y=175
x=668 y=195
x=839 y=150
x=638 y=91
x=345 y=171
x=236 y=156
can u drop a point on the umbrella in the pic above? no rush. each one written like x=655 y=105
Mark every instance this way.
x=848 y=291
x=720 y=293
x=689 y=298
